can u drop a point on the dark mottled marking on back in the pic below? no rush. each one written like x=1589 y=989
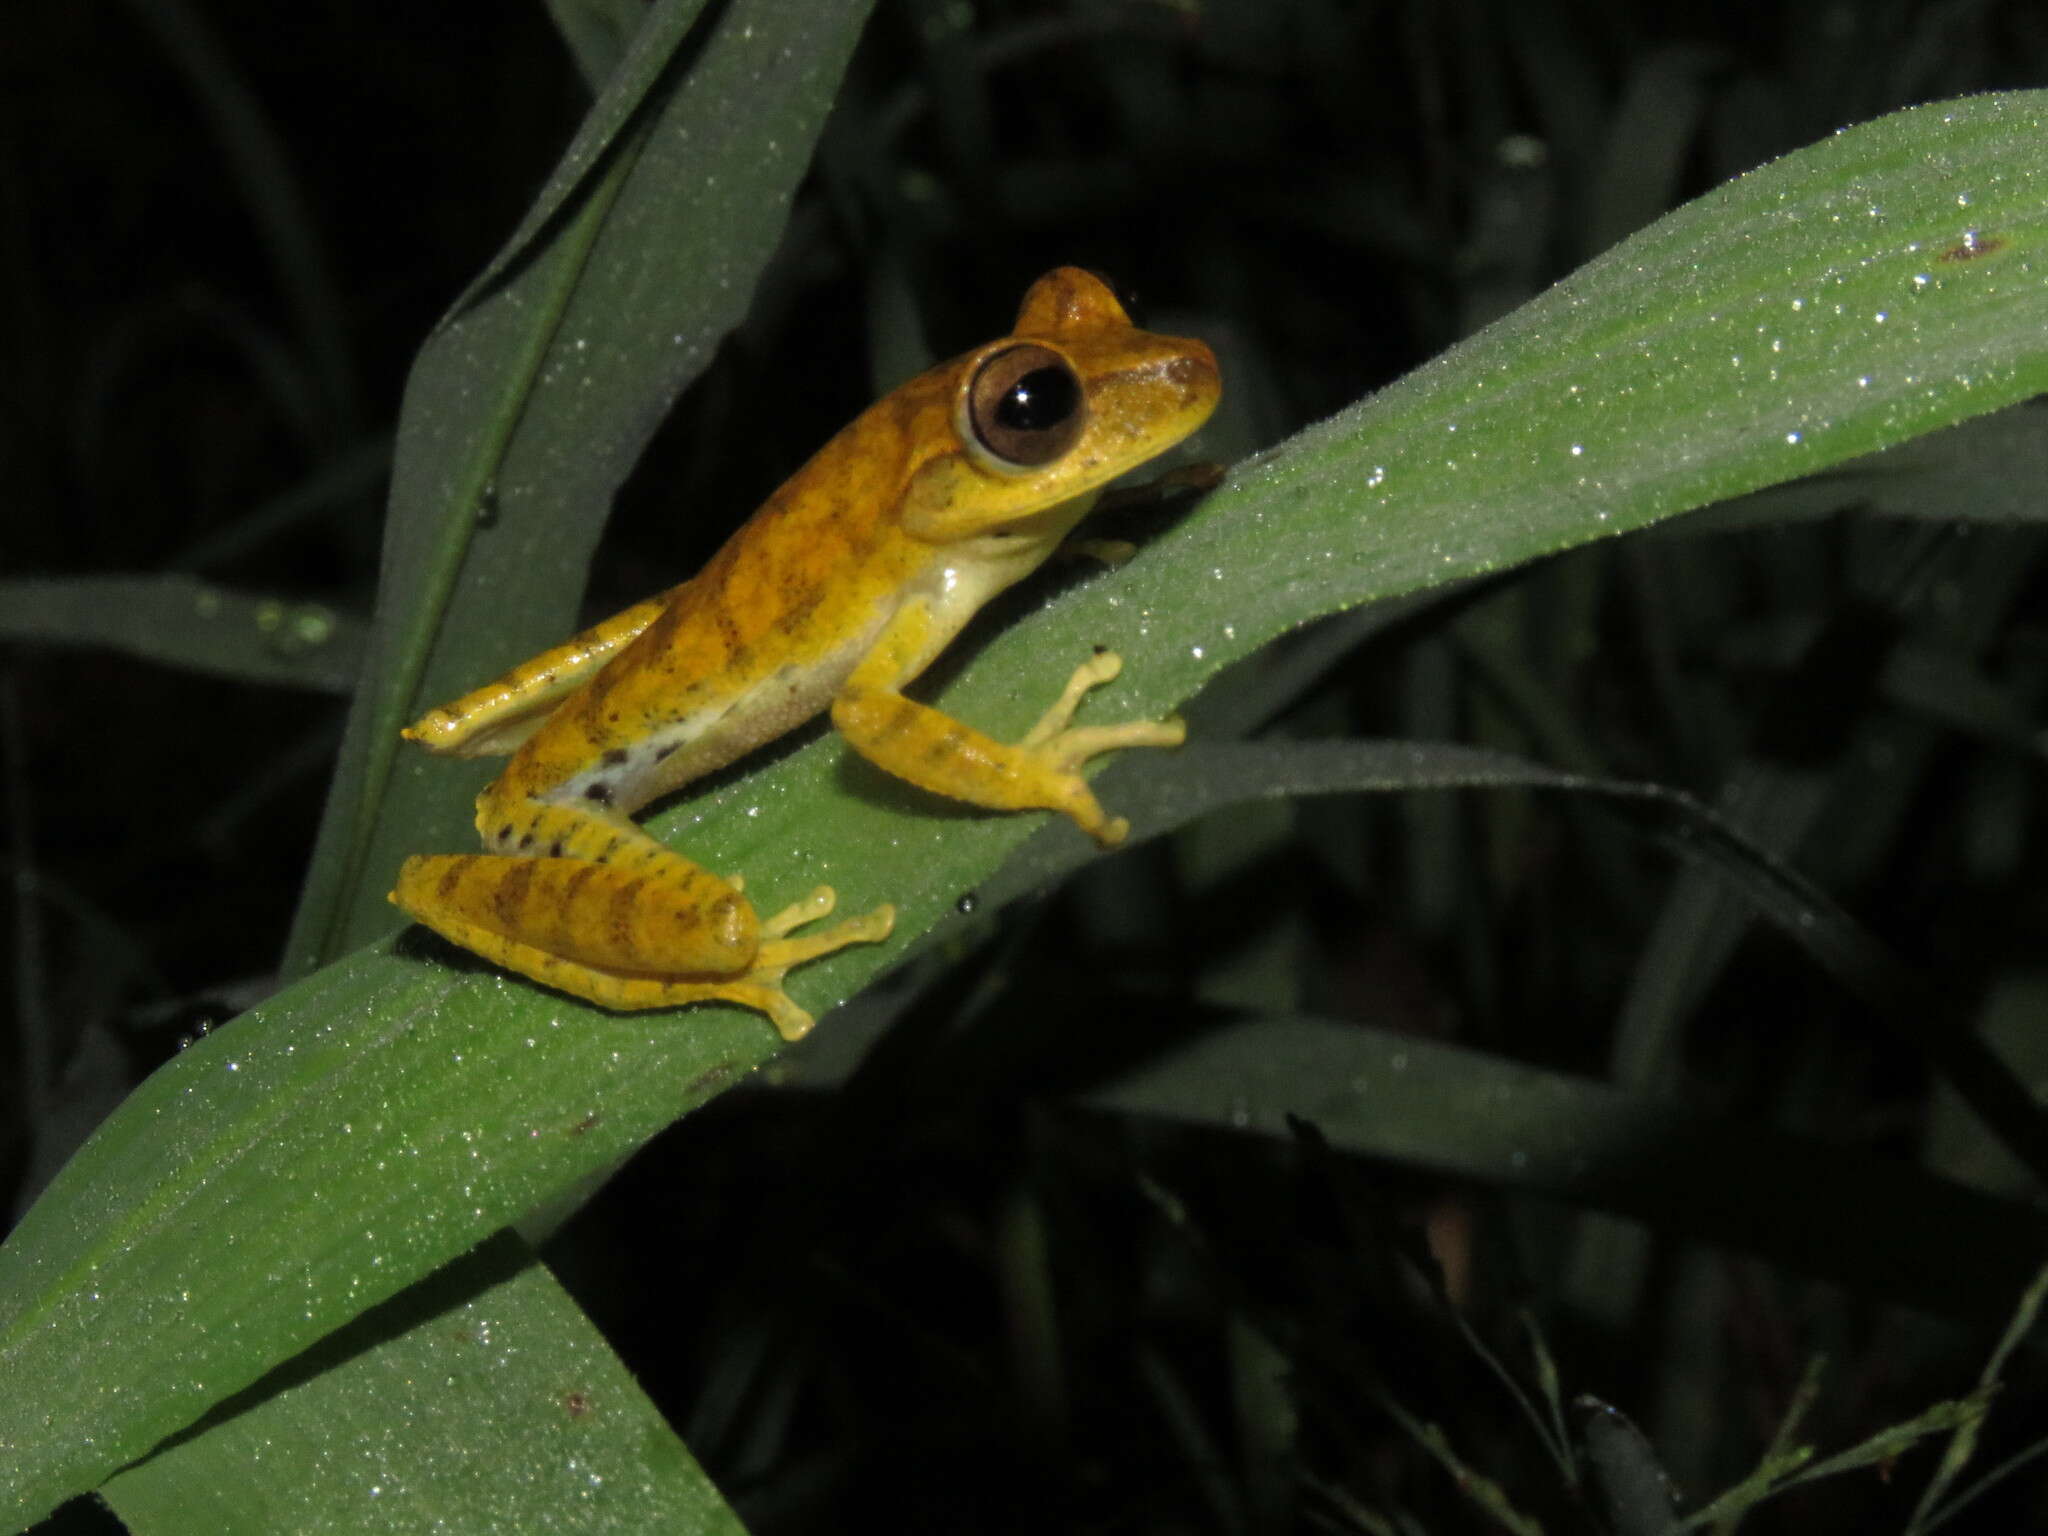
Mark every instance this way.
x=657 y=634
x=599 y=793
x=799 y=601
x=590 y=702
x=729 y=635
x=451 y=877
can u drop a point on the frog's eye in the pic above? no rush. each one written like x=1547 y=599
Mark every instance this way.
x=1025 y=406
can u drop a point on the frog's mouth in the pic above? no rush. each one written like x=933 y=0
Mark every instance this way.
x=1048 y=525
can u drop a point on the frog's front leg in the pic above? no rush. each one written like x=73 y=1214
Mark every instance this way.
x=936 y=752
x=493 y=720
x=596 y=908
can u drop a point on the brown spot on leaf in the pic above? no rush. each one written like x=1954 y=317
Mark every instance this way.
x=707 y=1082
x=1971 y=246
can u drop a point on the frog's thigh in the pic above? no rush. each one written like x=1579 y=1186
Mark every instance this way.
x=936 y=752
x=628 y=993
x=595 y=931
x=671 y=920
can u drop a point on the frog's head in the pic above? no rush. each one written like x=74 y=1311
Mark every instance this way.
x=1042 y=419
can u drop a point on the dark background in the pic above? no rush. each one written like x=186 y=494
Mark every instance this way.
x=226 y=226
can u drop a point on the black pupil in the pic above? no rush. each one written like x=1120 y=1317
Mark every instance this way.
x=1041 y=399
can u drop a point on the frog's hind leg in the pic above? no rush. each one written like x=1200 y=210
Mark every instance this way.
x=603 y=912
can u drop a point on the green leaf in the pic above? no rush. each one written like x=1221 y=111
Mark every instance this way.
x=598 y=32
x=180 y=621
x=585 y=1451
x=311 y=1159
x=1392 y=1096
x=530 y=403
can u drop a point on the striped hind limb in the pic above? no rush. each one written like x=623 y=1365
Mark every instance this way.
x=640 y=927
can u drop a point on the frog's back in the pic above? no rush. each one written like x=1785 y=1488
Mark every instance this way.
x=753 y=645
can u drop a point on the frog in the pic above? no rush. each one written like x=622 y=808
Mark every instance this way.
x=832 y=598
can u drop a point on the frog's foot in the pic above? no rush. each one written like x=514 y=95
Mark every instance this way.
x=780 y=951
x=1056 y=749
x=760 y=986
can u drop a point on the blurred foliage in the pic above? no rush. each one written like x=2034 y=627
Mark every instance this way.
x=945 y=1271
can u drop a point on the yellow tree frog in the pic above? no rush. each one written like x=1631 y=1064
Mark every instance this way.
x=836 y=593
